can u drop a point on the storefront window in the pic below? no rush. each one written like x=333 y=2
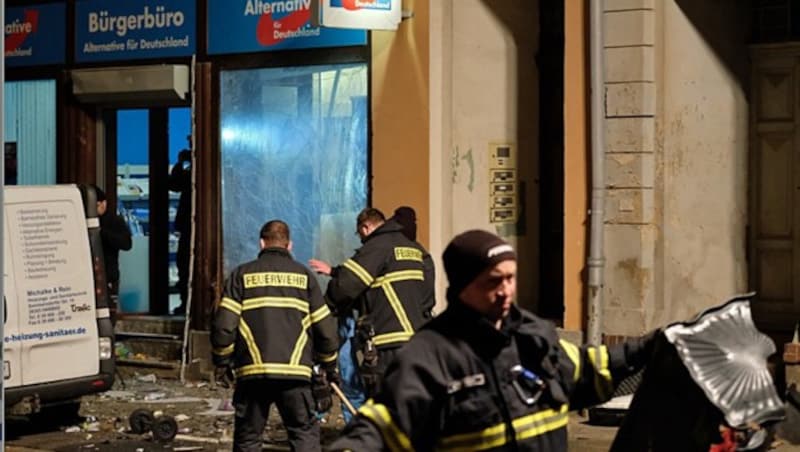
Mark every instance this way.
x=30 y=132
x=294 y=147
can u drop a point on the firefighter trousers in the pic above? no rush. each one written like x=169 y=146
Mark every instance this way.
x=252 y=400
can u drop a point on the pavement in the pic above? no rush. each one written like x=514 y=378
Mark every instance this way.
x=583 y=437
x=591 y=438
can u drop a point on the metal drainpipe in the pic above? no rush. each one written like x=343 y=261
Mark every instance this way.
x=596 y=261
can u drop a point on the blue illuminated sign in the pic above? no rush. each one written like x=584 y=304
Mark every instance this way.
x=124 y=30
x=35 y=35
x=240 y=26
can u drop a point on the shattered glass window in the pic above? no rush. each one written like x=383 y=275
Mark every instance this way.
x=294 y=148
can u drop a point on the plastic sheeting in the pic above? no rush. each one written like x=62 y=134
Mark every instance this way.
x=293 y=147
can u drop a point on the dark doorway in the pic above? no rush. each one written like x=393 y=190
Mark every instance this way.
x=141 y=146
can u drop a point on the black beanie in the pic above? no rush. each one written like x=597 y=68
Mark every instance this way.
x=408 y=219
x=469 y=254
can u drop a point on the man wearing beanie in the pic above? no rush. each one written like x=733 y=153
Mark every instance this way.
x=485 y=374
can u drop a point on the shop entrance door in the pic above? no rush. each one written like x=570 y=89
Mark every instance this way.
x=141 y=147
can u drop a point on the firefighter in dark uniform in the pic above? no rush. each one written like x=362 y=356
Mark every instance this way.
x=389 y=281
x=486 y=375
x=269 y=328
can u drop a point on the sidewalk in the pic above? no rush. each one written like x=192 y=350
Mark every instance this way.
x=589 y=438
x=583 y=437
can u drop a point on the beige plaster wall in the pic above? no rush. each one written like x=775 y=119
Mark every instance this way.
x=676 y=159
x=704 y=125
x=483 y=90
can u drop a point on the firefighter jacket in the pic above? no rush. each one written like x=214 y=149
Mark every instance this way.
x=272 y=320
x=389 y=280
x=462 y=385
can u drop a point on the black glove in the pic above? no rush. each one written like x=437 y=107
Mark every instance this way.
x=332 y=373
x=224 y=376
x=638 y=351
x=321 y=391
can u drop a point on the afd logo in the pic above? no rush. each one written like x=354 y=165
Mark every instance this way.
x=281 y=20
x=353 y=5
x=18 y=31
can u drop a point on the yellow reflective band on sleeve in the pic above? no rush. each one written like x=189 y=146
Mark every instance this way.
x=273 y=369
x=405 y=253
x=224 y=351
x=495 y=436
x=328 y=358
x=275 y=279
x=359 y=271
x=603 y=384
x=320 y=314
x=402 y=275
x=247 y=335
x=574 y=354
x=275 y=302
x=391 y=338
x=394 y=438
x=231 y=305
x=397 y=307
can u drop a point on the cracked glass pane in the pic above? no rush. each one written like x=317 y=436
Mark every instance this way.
x=294 y=148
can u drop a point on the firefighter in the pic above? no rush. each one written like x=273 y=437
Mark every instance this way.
x=485 y=374
x=269 y=328
x=390 y=285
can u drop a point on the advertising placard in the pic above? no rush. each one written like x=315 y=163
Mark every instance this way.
x=241 y=26
x=35 y=35
x=125 y=30
x=361 y=14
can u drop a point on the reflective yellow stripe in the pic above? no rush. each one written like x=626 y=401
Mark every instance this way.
x=574 y=354
x=247 y=335
x=524 y=427
x=390 y=338
x=397 y=307
x=302 y=339
x=405 y=253
x=224 y=350
x=298 y=348
x=328 y=358
x=358 y=270
x=603 y=383
x=394 y=438
x=274 y=369
x=320 y=314
x=275 y=302
x=231 y=305
x=275 y=279
x=402 y=275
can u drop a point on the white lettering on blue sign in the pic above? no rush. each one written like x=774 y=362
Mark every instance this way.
x=102 y=22
x=19 y=27
x=260 y=7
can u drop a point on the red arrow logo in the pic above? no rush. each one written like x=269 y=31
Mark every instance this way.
x=265 y=31
x=14 y=40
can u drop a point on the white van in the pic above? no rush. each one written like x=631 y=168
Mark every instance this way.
x=58 y=336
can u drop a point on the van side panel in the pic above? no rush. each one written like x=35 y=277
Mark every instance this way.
x=54 y=293
x=12 y=350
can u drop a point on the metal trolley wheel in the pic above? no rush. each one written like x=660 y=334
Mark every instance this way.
x=141 y=420
x=165 y=428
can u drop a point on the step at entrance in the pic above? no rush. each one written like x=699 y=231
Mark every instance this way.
x=149 y=344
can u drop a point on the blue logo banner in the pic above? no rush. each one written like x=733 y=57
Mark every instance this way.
x=124 y=30
x=354 y=5
x=240 y=26
x=35 y=35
